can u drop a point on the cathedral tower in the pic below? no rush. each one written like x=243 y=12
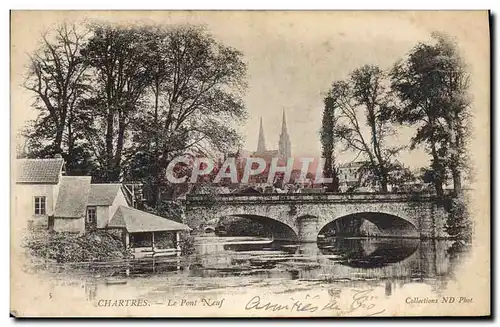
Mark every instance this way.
x=285 y=150
x=261 y=145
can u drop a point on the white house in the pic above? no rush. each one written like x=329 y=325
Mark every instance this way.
x=35 y=190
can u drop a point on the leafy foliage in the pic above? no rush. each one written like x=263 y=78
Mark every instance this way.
x=64 y=247
x=196 y=92
x=187 y=244
x=58 y=78
x=119 y=102
x=431 y=85
x=328 y=144
x=117 y=58
x=235 y=226
x=459 y=222
x=361 y=106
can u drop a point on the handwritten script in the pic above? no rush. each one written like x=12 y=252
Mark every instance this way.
x=363 y=302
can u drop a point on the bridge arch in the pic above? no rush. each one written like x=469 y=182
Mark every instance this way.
x=209 y=229
x=388 y=225
x=280 y=230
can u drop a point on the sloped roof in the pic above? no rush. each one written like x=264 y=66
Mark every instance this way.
x=72 y=197
x=139 y=221
x=103 y=194
x=264 y=154
x=38 y=171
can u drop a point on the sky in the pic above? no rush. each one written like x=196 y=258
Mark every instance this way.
x=292 y=58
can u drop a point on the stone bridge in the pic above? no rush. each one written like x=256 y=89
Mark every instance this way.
x=301 y=216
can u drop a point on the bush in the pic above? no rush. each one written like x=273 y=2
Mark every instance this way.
x=235 y=226
x=459 y=223
x=187 y=244
x=65 y=247
x=173 y=210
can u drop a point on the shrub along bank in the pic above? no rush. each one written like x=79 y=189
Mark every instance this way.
x=66 y=247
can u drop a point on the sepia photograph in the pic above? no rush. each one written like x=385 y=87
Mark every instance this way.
x=250 y=163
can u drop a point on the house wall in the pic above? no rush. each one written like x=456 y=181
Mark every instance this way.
x=119 y=201
x=105 y=213
x=348 y=174
x=76 y=225
x=102 y=216
x=55 y=193
x=24 y=198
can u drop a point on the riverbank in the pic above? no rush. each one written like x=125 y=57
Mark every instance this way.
x=57 y=247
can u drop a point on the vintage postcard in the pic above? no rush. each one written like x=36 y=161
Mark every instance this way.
x=250 y=163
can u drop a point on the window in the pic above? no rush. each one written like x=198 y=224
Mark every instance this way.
x=40 y=205
x=91 y=214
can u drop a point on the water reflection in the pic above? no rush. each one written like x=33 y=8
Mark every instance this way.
x=223 y=263
x=90 y=290
x=369 y=252
x=336 y=259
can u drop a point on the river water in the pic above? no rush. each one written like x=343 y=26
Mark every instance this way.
x=243 y=264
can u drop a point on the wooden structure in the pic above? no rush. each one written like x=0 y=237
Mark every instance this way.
x=147 y=234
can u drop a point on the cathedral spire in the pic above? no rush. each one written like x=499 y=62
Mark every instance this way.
x=283 y=124
x=285 y=144
x=261 y=145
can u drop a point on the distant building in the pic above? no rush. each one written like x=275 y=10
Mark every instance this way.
x=350 y=175
x=283 y=153
x=284 y=150
x=355 y=176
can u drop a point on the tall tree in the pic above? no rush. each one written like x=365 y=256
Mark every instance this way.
x=455 y=106
x=364 y=94
x=431 y=84
x=328 y=144
x=195 y=98
x=58 y=77
x=118 y=58
x=126 y=100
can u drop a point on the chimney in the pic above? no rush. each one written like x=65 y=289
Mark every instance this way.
x=63 y=170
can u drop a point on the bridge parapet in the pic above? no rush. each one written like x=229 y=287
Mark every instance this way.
x=306 y=214
x=307 y=197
